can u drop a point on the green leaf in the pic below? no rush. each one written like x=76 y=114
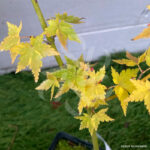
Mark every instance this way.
x=52 y=28
x=67 y=30
x=69 y=19
x=63 y=30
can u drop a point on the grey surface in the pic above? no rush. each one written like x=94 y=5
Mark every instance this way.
x=109 y=25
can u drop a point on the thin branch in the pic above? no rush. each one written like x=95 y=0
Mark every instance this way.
x=26 y=37
x=140 y=76
x=44 y=25
x=110 y=87
x=140 y=68
x=14 y=137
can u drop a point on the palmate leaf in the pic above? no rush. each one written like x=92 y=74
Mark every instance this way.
x=132 y=60
x=92 y=122
x=12 y=40
x=71 y=77
x=93 y=101
x=141 y=93
x=31 y=55
x=123 y=85
x=93 y=93
x=50 y=82
x=69 y=19
x=62 y=30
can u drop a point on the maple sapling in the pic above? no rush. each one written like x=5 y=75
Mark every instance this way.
x=76 y=74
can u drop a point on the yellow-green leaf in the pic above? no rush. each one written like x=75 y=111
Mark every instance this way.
x=115 y=75
x=67 y=30
x=126 y=62
x=63 y=30
x=12 y=40
x=122 y=94
x=141 y=93
x=124 y=85
x=52 y=28
x=62 y=38
x=69 y=19
x=147 y=57
x=132 y=60
x=100 y=74
x=142 y=58
x=50 y=82
x=92 y=122
x=31 y=55
x=65 y=88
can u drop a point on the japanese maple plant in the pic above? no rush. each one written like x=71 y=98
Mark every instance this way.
x=76 y=74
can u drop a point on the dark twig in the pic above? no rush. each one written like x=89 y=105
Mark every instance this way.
x=14 y=137
x=140 y=76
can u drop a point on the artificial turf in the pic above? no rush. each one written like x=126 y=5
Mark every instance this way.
x=29 y=121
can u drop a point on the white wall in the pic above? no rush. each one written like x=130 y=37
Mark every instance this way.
x=109 y=25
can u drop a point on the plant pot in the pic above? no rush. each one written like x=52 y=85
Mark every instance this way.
x=72 y=139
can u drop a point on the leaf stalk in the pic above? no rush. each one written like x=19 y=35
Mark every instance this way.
x=44 y=25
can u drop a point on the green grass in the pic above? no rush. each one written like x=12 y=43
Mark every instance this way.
x=37 y=121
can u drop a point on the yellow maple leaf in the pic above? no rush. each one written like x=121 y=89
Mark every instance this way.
x=93 y=93
x=31 y=55
x=50 y=82
x=132 y=60
x=123 y=85
x=97 y=76
x=126 y=62
x=144 y=34
x=146 y=77
x=65 y=88
x=12 y=40
x=141 y=93
x=147 y=57
x=92 y=122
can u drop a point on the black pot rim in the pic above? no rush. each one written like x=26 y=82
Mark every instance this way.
x=68 y=137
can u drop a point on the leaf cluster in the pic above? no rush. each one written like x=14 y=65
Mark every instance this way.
x=129 y=84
